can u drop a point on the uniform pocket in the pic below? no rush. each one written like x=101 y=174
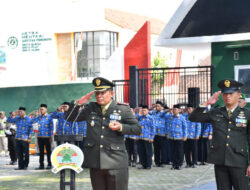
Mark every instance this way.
x=242 y=151
x=89 y=144
x=117 y=147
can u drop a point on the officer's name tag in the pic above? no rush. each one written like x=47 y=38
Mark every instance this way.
x=218 y=115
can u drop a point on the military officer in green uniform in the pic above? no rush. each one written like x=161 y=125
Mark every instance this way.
x=107 y=123
x=229 y=149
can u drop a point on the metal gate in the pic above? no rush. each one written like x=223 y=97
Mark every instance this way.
x=180 y=85
x=122 y=90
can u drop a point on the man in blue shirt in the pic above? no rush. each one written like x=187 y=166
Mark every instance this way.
x=146 y=138
x=193 y=133
x=63 y=127
x=204 y=140
x=160 y=150
x=45 y=133
x=23 y=136
x=177 y=133
x=130 y=142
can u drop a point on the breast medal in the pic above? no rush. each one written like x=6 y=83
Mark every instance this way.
x=92 y=123
x=115 y=116
x=241 y=120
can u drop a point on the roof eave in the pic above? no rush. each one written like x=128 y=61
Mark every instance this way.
x=193 y=41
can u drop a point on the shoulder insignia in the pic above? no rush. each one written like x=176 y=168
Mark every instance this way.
x=122 y=103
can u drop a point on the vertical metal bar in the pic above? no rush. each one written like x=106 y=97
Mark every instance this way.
x=62 y=180
x=133 y=86
x=138 y=86
x=211 y=79
x=163 y=85
x=142 y=87
x=72 y=179
x=185 y=86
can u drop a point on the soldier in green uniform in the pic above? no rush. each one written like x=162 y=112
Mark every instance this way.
x=107 y=123
x=229 y=149
x=242 y=100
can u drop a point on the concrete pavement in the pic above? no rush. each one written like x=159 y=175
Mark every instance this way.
x=156 y=178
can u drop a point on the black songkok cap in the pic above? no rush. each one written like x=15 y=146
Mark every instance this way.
x=166 y=107
x=159 y=102
x=65 y=103
x=102 y=84
x=144 y=106
x=177 y=106
x=190 y=105
x=229 y=85
x=22 y=108
x=43 y=105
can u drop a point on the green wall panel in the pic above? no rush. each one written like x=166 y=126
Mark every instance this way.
x=32 y=97
x=223 y=60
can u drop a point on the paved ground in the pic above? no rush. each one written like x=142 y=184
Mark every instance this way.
x=208 y=186
x=156 y=178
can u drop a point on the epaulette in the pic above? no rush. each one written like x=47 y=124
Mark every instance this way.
x=123 y=103
x=245 y=109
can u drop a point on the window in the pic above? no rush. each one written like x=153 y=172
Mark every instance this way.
x=242 y=73
x=92 y=50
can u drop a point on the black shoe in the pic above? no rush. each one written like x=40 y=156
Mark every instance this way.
x=48 y=167
x=203 y=163
x=141 y=167
x=14 y=163
x=173 y=168
x=133 y=164
x=194 y=166
x=157 y=165
x=179 y=168
x=40 y=168
x=187 y=166
x=25 y=168
x=19 y=168
x=11 y=163
x=163 y=165
x=148 y=168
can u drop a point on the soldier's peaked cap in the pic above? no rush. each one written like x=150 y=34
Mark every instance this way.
x=102 y=84
x=229 y=85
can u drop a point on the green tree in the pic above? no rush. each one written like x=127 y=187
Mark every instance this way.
x=157 y=76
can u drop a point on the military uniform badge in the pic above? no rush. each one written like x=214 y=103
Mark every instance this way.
x=115 y=117
x=92 y=123
x=227 y=83
x=241 y=120
x=98 y=82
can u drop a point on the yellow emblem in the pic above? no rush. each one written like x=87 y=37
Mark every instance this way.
x=98 y=82
x=227 y=83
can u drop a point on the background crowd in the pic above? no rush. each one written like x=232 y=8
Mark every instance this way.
x=167 y=138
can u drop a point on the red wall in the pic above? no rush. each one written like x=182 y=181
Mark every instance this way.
x=138 y=53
